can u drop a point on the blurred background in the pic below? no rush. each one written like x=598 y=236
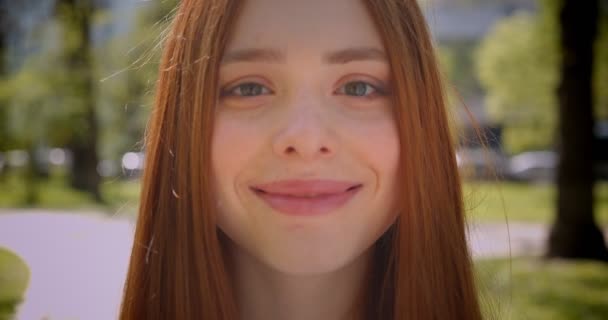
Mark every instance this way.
x=530 y=77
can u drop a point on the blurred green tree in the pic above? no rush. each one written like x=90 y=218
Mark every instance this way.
x=518 y=64
x=18 y=103
x=80 y=92
x=84 y=85
x=52 y=95
x=127 y=87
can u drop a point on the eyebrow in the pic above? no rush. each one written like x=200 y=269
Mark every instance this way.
x=354 y=54
x=254 y=55
x=269 y=55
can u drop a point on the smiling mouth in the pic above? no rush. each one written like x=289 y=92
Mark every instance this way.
x=306 y=195
x=307 y=198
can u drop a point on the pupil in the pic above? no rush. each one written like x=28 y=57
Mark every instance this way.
x=250 y=89
x=356 y=88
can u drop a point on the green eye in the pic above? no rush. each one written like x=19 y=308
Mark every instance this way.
x=249 y=89
x=358 y=89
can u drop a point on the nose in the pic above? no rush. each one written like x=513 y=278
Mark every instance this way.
x=305 y=132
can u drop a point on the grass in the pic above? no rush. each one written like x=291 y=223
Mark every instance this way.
x=543 y=290
x=490 y=202
x=120 y=196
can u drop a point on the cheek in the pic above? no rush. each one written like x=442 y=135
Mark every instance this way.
x=377 y=146
x=371 y=132
x=377 y=142
x=384 y=150
x=233 y=144
x=384 y=155
x=232 y=148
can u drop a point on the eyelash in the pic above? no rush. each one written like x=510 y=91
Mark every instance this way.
x=230 y=92
x=377 y=90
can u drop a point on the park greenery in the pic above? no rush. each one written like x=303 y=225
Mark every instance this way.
x=518 y=65
x=40 y=105
x=525 y=288
x=81 y=79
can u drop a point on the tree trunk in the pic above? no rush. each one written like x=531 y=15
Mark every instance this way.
x=574 y=233
x=77 y=18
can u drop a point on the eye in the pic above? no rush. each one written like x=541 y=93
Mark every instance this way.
x=359 y=89
x=247 y=89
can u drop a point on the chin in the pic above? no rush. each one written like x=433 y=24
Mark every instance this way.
x=311 y=260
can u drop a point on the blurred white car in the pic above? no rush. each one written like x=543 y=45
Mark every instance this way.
x=538 y=166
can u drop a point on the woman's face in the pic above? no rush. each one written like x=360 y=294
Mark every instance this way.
x=305 y=147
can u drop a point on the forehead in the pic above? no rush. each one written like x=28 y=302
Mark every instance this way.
x=297 y=26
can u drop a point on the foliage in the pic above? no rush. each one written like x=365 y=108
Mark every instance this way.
x=37 y=109
x=128 y=77
x=14 y=279
x=41 y=105
x=600 y=80
x=518 y=64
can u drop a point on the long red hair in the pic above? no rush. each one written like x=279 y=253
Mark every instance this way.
x=422 y=267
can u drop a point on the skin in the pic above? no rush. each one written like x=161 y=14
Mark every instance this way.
x=309 y=115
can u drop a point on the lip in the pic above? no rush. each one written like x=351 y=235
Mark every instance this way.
x=306 y=197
